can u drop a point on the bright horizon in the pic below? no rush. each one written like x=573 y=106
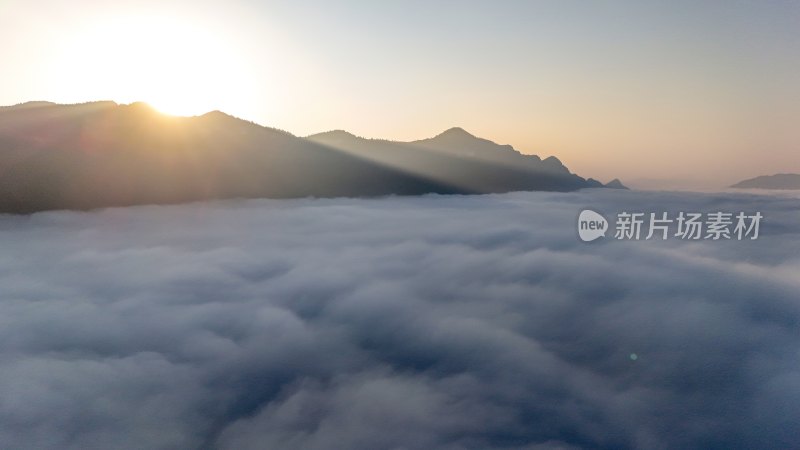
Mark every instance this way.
x=678 y=95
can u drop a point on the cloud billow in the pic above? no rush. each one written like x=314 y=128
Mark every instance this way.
x=449 y=322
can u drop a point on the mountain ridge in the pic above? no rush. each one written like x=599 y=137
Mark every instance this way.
x=101 y=154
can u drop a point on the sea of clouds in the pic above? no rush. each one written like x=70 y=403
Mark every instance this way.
x=452 y=322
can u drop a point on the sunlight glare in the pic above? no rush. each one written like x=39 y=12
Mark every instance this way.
x=177 y=68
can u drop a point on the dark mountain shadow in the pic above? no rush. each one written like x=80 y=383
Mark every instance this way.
x=102 y=154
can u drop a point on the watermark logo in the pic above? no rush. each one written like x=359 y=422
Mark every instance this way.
x=591 y=225
x=636 y=226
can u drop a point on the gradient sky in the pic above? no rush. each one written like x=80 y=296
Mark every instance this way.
x=676 y=94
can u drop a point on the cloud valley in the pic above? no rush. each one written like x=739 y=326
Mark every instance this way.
x=449 y=322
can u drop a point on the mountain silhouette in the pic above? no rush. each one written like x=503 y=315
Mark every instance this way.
x=463 y=160
x=103 y=154
x=777 y=181
x=615 y=184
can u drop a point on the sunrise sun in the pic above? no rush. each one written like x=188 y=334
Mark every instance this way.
x=177 y=67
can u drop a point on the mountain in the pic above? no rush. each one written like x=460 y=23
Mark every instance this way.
x=463 y=160
x=615 y=184
x=778 y=181
x=103 y=154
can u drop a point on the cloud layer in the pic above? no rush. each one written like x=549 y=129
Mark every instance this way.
x=418 y=323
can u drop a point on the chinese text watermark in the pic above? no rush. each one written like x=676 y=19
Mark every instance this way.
x=682 y=225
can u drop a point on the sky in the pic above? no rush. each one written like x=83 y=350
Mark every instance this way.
x=677 y=94
x=434 y=322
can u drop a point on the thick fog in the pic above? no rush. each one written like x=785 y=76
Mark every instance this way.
x=453 y=322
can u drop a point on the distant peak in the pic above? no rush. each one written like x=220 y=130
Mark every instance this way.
x=220 y=116
x=333 y=136
x=777 y=181
x=334 y=133
x=455 y=132
x=616 y=184
x=215 y=113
